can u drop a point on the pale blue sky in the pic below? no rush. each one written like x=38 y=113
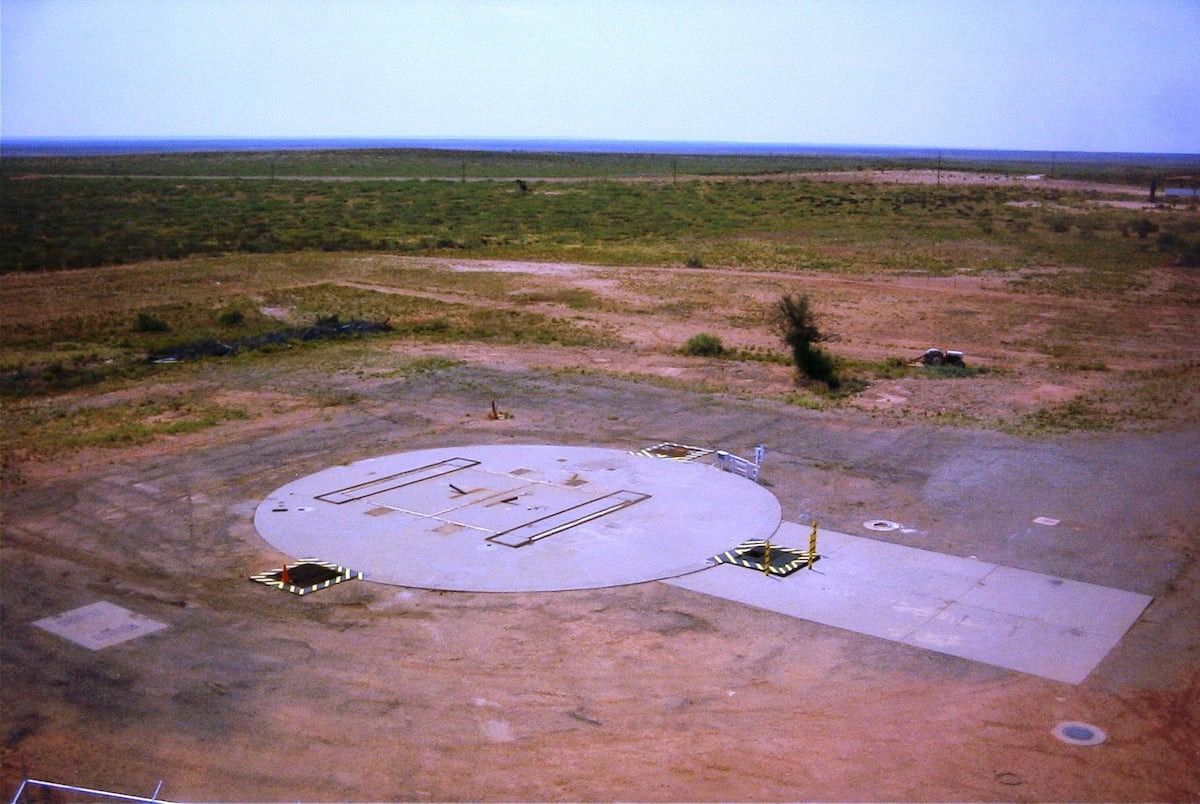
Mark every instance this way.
x=1050 y=74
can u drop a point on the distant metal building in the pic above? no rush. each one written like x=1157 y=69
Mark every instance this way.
x=1171 y=188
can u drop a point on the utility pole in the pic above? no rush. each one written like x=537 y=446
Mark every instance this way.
x=674 y=171
x=939 y=170
x=464 y=171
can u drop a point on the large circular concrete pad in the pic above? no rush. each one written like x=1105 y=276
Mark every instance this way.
x=517 y=518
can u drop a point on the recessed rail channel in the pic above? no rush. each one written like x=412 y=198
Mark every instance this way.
x=398 y=480
x=567 y=518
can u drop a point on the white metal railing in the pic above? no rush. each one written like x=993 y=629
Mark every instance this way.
x=89 y=791
x=741 y=466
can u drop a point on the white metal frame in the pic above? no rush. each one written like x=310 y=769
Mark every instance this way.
x=89 y=791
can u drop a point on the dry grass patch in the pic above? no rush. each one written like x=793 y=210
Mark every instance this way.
x=45 y=429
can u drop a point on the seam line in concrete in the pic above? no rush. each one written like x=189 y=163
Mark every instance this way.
x=934 y=616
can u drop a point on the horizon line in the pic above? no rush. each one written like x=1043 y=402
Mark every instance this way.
x=448 y=140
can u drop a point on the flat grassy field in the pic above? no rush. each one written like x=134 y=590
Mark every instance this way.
x=1072 y=282
x=74 y=222
x=427 y=163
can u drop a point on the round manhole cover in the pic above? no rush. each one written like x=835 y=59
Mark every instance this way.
x=881 y=524
x=1076 y=733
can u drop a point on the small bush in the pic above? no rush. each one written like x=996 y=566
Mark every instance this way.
x=704 y=345
x=1169 y=241
x=891 y=369
x=694 y=262
x=1190 y=258
x=796 y=324
x=1189 y=252
x=818 y=365
x=944 y=372
x=807 y=400
x=1144 y=227
x=149 y=323
x=231 y=317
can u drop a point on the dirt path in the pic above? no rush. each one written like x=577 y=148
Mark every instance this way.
x=951 y=177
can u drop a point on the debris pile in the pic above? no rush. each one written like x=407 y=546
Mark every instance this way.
x=323 y=329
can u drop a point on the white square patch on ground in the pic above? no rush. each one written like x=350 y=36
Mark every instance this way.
x=1026 y=621
x=99 y=625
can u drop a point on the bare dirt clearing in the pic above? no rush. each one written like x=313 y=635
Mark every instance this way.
x=1041 y=347
x=952 y=177
x=369 y=692
x=646 y=692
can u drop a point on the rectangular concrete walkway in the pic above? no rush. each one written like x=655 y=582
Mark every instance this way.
x=1011 y=618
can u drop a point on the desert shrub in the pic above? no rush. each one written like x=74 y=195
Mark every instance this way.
x=1144 y=227
x=1173 y=243
x=947 y=371
x=694 y=262
x=892 y=368
x=816 y=364
x=704 y=345
x=231 y=317
x=796 y=323
x=149 y=323
x=1169 y=241
x=1190 y=257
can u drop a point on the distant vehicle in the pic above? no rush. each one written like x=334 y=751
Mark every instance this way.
x=1172 y=187
x=936 y=357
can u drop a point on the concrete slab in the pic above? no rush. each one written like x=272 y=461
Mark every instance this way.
x=1011 y=618
x=451 y=492
x=1058 y=601
x=550 y=520
x=809 y=594
x=533 y=501
x=887 y=566
x=664 y=518
x=1017 y=643
x=99 y=625
x=372 y=483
